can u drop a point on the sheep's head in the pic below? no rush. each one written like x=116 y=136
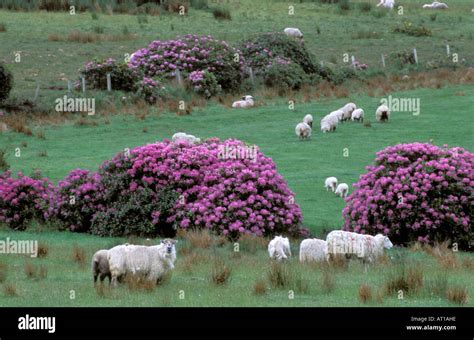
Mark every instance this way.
x=169 y=245
x=384 y=240
x=248 y=98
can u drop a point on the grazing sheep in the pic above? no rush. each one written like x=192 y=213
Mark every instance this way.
x=339 y=114
x=436 y=5
x=386 y=3
x=303 y=130
x=246 y=101
x=347 y=111
x=365 y=247
x=3 y=127
x=313 y=249
x=330 y=183
x=293 y=32
x=358 y=115
x=342 y=190
x=279 y=248
x=383 y=113
x=181 y=136
x=149 y=262
x=329 y=123
x=100 y=266
x=308 y=119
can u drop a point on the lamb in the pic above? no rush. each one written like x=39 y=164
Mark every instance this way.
x=308 y=119
x=347 y=110
x=245 y=102
x=330 y=183
x=313 y=250
x=342 y=190
x=181 y=136
x=149 y=262
x=329 y=123
x=358 y=115
x=293 y=32
x=386 y=3
x=303 y=130
x=365 y=247
x=100 y=266
x=383 y=113
x=279 y=248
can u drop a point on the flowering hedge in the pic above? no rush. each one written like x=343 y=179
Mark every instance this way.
x=191 y=53
x=231 y=196
x=23 y=199
x=415 y=192
x=204 y=83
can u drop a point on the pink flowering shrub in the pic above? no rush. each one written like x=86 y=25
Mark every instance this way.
x=204 y=83
x=415 y=192
x=77 y=198
x=191 y=53
x=150 y=90
x=200 y=189
x=23 y=199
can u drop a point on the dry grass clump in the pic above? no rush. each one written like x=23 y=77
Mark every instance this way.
x=3 y=272
x=79 y=255
x=89 y=37
x=252 y=243
x=365 y=293
x=138 y=283
x=260 y=287
x=10 y=290
x=35 y=272
x=458 y=295
x=279 y=275
x=198 y=238
x=43 y=250
x=220 y=273
x=408 y=279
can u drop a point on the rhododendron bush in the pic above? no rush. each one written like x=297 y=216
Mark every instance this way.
x=415 y=192
x=23 y=199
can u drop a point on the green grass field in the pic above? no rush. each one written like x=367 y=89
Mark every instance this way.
x=445 y=118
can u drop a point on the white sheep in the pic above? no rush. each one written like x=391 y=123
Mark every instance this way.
x=293 y=32
x=100 y=265
x=308 y=119
x=245 y=102
x=149 y=262
x=436 y=5
x=339 y=114
x=347 y=110
x=279 y=248
x=383 y=113
x=3 y=127
x=342 y=190
x=303 y=130
x=329 y=123
x=330 y=184
x=386 y=3
x=358 y=115
x=313 y=250
x=365 y=247
x=181 y=136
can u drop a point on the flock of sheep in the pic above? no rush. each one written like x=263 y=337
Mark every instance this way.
x=151 y=263
x=329 y=122
x=338 y=243
x=434 y=5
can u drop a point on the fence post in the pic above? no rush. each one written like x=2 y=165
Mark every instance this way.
x=415 y=55
x=69 y=87
x=83 y=85
x=383 y=60
x=448 y=51
x=252 y=77
x=36 y=92
x=179 y=79
x=109 y=82
x=353 y=61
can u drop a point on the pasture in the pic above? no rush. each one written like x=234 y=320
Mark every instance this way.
x=59 y=143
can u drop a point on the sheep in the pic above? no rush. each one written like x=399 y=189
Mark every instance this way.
x=181 y=136
x=386 y=3
x=245 y=102
x=313 y=250
x=329 y=123
x=383 y=113
x=303 y=130
x=436 y=5
x=293 y=32
x=3 y=127
x=365 y=247
x=342 y=190
x=347 y=110
x=358 y=115
x=279 y=248
x=330 y=183
x=150 y=262
x=100 y=266
x=308 y=119
x=339 y=114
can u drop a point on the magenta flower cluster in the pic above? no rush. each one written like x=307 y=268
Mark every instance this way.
x=415 y=192
x=191 y=53
x=23 y=199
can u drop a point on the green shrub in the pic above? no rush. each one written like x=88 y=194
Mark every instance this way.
x=405 y=57
x=284 y=76
x=413 y=30
x=6 y=82
x=3 y=27
x=204 y=83
x=365 y=6
x=221 y=13
x=199 y=4
x=343 y=74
